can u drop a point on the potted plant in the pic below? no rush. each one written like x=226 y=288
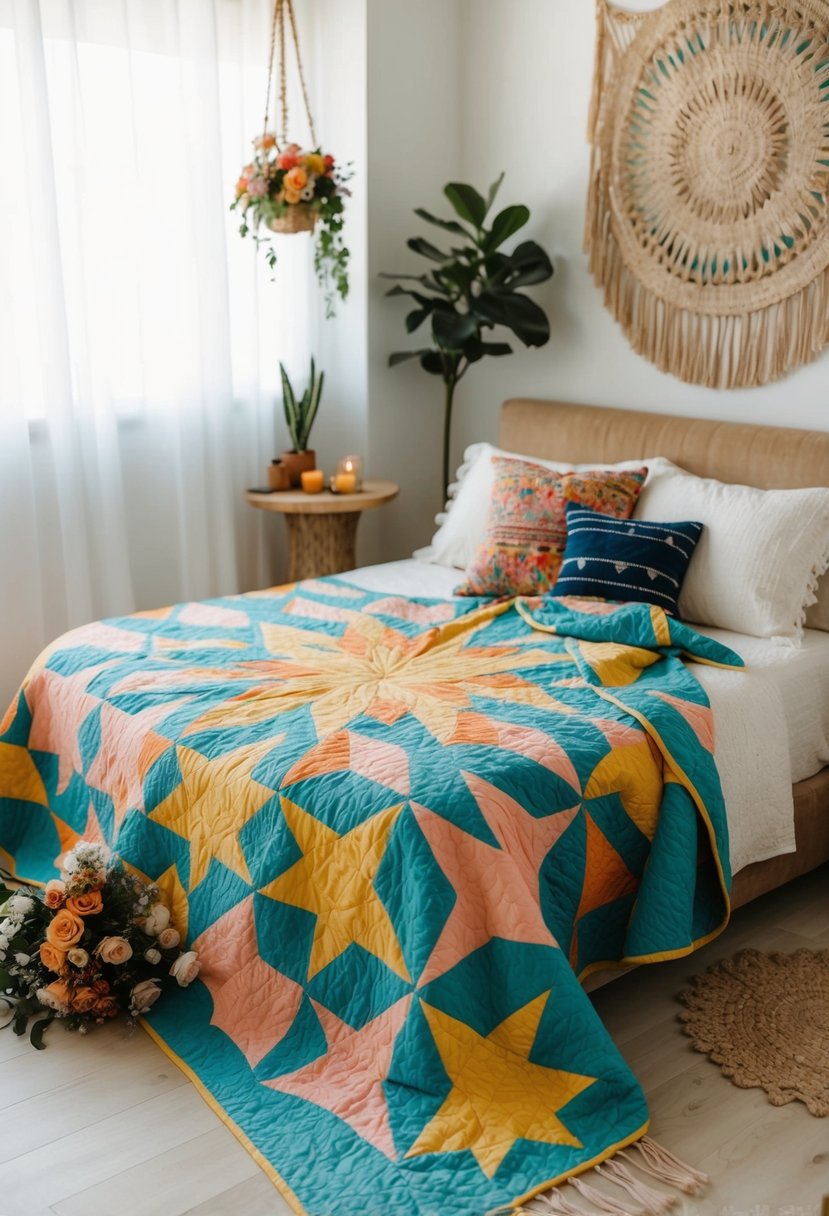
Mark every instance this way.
x=288 y=191
x=299 y=417
x=470 y=290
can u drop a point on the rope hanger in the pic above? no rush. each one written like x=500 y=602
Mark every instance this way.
x=281 y=10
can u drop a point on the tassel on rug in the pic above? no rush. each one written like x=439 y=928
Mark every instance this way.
x=630 y=1196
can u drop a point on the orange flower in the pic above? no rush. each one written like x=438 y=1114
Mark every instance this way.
x=291 y=196
x=296 y=179
x=88 y=904
x=65 y=930
x=101 y=987
x=83 y=999
x=54 y=959
x=55 y=893
x=241 y=186
x=265 y=142
x=58 y=995
x=105 y=1007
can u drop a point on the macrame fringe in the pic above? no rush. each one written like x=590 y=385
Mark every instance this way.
x=726 y=351
x=624 y=1194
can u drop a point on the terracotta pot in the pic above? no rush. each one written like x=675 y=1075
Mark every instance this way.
x=278 y=476
x=298 y=463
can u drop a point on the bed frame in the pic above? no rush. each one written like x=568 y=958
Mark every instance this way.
x=764 y=456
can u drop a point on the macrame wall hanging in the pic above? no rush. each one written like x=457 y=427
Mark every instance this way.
x=708 y=208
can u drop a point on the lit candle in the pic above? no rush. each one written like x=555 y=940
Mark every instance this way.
x=313 y=481
x=345 y=483
x=349 y=475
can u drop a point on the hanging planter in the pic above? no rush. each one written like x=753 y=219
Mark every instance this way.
x=287 y=189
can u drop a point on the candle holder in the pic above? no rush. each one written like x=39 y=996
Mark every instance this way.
x=348 y=478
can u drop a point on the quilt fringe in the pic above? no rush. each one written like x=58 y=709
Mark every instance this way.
x=627 y=1194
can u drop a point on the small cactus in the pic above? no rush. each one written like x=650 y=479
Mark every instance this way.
x=300 y=414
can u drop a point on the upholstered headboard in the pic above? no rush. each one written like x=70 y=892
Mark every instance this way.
x=771 y=457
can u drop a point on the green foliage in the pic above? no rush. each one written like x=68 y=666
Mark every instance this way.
x=301 y=412
x=471 y=289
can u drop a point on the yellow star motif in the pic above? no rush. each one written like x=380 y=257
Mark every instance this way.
x=375 y=670
x=212 y=803
x=498 y=1095
x=334 y=879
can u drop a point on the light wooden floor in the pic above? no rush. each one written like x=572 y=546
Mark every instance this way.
x=107 y=1126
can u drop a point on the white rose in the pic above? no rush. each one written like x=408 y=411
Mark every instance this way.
x=78 y=957
x=157 y=919
x=4 y=943
x=114 y=950
x=22 y=959
x=152 y=955
x=144 y=995
x=185 y=969
x=168 y=938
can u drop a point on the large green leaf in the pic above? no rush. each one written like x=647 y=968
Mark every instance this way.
x=448 y=225
x=520 y=314
x=452 y=329
x=425 y=279
x=467 y=202
x=527 y=264
x=426 y=249
x=493 y=190
x=416 y=317
x=432 y=363
x=402 y=356
x=505 y=224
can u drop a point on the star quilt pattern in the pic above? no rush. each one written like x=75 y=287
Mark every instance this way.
x=397 y=832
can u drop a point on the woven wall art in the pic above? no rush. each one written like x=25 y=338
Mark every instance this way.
x=708 y=208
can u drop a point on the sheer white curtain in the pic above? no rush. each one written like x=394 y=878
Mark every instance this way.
x=139 y=335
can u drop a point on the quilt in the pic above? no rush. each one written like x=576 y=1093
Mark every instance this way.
x=397 y=832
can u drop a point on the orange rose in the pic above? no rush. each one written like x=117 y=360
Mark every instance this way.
x=241 y=186
x=55 y=893
x=55 y=996
x=295 y=180
x=83 y=999
x=89 y=904
x=105 y=1007
x=115 y=950
x=291 y=196
x=54 y=959
x=65 y=930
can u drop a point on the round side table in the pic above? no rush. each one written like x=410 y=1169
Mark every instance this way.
x=322 y=528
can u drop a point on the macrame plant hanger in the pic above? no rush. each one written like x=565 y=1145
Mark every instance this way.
x=283 y=25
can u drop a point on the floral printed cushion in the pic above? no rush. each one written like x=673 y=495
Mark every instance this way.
x=527 y=523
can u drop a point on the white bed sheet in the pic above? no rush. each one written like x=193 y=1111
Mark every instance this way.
x=771 y=720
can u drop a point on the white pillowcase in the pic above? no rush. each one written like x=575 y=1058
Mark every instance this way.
x=462 y=527
x=756 y=565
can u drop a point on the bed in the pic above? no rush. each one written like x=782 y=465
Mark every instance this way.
x=766 y=457
x=401 y=829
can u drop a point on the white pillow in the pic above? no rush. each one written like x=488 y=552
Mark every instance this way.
x=817 y=616
x=756 y=566
x=462 y=527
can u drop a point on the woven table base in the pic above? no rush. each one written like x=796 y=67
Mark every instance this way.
x=321 y=544
x=764 y=1018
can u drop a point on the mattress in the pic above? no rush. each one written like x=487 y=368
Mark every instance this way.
x=771 y=721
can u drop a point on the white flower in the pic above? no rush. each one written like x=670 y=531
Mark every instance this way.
x=21 y=905
x=169 y=938
x=144 y=995
x=4 y=944
x=185 y=969
x=22 y=959
x=8 y=927
x=86 y=856
x=152 y=955
x=77 y=957
x=157 y=919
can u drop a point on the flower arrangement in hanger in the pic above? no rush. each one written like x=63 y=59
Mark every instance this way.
x=288 y=189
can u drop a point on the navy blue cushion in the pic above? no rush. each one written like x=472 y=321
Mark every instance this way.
x=625 y=559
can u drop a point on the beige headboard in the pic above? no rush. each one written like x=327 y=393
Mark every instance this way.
x=772 y=457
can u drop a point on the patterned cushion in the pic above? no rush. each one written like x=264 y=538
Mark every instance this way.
x=527 y=527
x=633 y=559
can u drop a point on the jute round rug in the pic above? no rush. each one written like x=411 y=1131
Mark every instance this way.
x=764 y=1018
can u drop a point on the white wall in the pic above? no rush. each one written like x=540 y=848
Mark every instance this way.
x=414 y=148
x=522 y=73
